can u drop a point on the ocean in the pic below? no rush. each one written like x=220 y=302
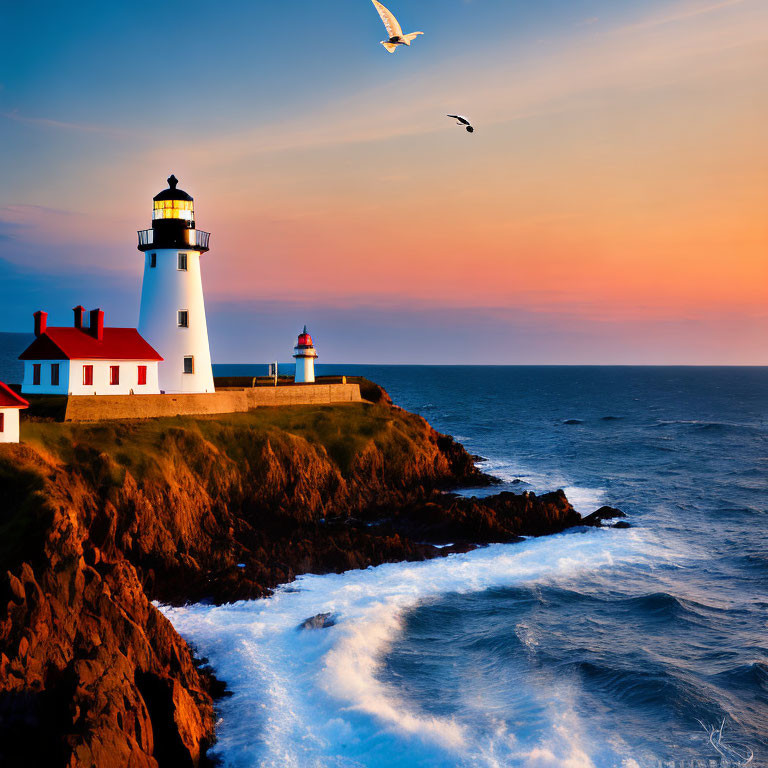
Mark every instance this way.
x=594 y=648
x=11 y=346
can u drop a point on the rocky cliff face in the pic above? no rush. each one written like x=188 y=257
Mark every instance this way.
x=98 y=520
x=91 y=674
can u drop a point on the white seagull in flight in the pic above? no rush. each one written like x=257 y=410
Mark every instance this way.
x=395 y=32
x=463 y=121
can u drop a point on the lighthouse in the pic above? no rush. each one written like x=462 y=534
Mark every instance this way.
x=305 y=355
x=172 y=314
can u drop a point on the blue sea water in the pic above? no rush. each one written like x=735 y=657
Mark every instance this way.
x=11 y=346
x=593 y=648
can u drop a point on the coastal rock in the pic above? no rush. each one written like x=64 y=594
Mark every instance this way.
x=604 y=513
x=320 y=621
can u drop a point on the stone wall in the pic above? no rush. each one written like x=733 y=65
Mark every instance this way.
x=106 y=407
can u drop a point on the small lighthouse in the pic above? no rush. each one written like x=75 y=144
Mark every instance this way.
x=172 y=314
x=305 y=355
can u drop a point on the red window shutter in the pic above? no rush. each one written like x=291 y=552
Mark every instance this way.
x=88 y=375
x=142 y=374
x=114 y=374
x=2 y=422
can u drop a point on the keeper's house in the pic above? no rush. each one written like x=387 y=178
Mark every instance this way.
x=10 y=405
x=88 y=360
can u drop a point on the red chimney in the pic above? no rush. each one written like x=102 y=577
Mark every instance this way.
x=41 y=322
x=97 y=324
x=79 y=312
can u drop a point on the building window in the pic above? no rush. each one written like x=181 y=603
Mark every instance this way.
x=152 y=260
x=142 y=374
x=114 y=375
x=54 y=374
x=2 y=422
x=88 y=375
x=183 y=262
x=189 y=365
x=36 y=368
x=183 y=318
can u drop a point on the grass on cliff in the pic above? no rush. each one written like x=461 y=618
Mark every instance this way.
x=343 y=430
x=24 y=516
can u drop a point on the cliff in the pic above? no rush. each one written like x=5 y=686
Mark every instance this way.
x=98 y=520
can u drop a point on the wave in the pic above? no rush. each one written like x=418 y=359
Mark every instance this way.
x=717 y=427
x=661 y=605
x=747 y=677
x=319 y=698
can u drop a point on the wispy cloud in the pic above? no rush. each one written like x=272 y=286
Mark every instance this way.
x=682 y=12
x=45 y=122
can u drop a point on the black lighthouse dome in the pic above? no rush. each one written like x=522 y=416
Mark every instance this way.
x=173 y=222
x=173 y=193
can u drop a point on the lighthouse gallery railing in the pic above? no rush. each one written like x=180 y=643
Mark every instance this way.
x=194 y=237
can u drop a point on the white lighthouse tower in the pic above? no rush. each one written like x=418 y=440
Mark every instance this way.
x=172 y=315
x=305 y=355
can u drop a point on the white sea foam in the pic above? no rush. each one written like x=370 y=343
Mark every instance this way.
x=584 y=500
x=318 y=698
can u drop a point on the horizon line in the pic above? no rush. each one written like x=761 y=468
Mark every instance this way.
x=532 y=365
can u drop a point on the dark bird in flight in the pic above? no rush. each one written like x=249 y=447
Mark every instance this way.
x=463 y=121
x=395 y=32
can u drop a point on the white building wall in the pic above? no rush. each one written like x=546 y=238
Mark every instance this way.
x=305 y=370
x=129 y=378
x=10 y=433
x=71 y=378
x=45 y=387
x=165 y=290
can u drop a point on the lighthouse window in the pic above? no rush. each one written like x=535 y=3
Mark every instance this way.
x=152 y=260
x=142 y=375
x=183 y=318
x=36 y=368
x=88 y=375
x=2 y=422
x=114 y=375
x=54 y=374
x=189 y=365
x=183 y=261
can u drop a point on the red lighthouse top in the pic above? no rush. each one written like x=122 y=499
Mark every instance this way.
x=305 y=340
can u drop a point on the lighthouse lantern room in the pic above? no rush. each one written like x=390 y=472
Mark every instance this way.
x=304 y=353
x=172 y=314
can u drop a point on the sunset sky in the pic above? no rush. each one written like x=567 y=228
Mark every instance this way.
x=612 y=206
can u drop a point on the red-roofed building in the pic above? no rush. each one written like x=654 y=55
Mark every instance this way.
x=10 y=405
x=88 y=360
